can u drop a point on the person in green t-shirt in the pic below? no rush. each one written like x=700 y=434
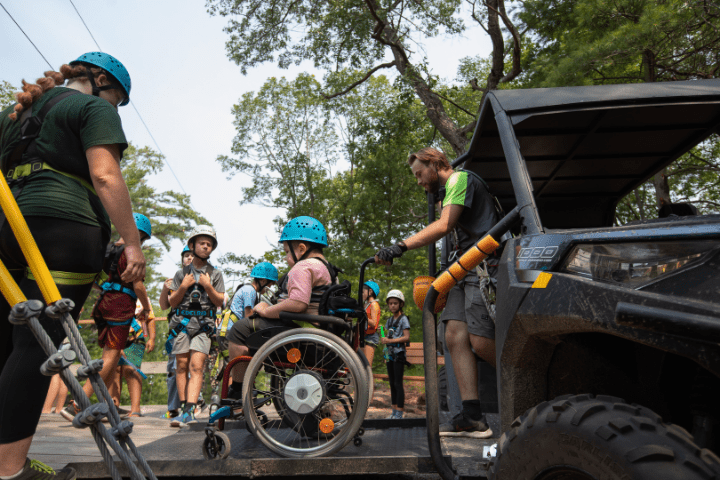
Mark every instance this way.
x=468 y=213
x=69 y=186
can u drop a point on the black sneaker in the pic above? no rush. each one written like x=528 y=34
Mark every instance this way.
x=463 y=426
x=34 y=470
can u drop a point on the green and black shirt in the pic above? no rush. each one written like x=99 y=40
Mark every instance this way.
x=479 y=214
x=69 y=129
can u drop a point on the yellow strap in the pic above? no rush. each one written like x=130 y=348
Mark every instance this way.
x=67 y=278
x=27 y=169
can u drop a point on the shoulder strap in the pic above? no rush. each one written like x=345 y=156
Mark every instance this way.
x=498 y=206
x=330 y=269
x=30 y=129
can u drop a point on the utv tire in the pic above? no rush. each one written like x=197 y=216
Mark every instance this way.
x=587 y=437
x=443 y=389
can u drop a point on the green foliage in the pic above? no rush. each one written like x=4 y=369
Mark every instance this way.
x=333 y=35
x=7 y=94
x=582 y=42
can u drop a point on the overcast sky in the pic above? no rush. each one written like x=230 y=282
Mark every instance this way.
x=184 y=87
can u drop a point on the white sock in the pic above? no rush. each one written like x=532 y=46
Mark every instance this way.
x=22 y=469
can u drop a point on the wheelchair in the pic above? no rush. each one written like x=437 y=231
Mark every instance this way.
x=315 y=379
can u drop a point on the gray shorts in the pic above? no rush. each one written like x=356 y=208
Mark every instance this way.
x=199 y=343
x=465 y=304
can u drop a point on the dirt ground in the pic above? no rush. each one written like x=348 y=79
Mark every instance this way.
x=380 y=406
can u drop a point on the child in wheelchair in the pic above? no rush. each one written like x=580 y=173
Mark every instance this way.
x=301 y=289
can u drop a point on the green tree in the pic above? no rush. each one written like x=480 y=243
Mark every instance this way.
x=351 y=40
x=7 y=94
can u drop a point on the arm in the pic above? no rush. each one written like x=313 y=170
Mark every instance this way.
x=176 y=297
x=141 y=292
x=164 y=295
x=430 y=234
x=150 y=345
x=106 y=176
x=215 y=297
x=289 y=305
x=436 y=230
x=248 y=311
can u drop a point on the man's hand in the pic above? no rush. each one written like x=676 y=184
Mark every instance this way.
x=142 y=318
x=168 y=283
x=385 y=340
x=204 y=280
x=150 y=345
x=135 y=264
x=385 y=255
x=188 y=281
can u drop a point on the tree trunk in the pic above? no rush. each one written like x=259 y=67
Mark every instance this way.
x=662 y=189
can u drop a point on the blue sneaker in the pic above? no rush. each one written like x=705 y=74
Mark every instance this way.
x=185 y=418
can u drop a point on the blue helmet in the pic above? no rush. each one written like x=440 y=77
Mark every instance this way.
x=111 y=65
x=265 y=270
x=186 y=249
x=304 y=228
x=374 y=287
x=143 y=224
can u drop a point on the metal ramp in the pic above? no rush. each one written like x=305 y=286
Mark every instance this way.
x=389 y=449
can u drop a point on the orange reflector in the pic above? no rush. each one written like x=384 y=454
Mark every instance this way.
x=326 y=425
x=293 y=355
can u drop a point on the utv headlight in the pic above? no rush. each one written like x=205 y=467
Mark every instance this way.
x=634 y=264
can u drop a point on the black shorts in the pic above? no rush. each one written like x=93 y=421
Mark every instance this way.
x=244 y=327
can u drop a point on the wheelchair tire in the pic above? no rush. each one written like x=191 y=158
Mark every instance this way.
x=369 y=374
x=331 y=366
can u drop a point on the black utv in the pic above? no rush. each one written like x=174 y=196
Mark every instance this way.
x=607 y=337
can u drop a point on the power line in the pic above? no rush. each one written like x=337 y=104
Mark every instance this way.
x=86 y=27
x=26 y=36
x=136 y=110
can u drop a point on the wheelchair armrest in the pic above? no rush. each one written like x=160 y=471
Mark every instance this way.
x=304 y=317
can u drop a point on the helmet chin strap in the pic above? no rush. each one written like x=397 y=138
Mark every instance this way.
x=196 y=255
x=304 y=255
x=95 y=88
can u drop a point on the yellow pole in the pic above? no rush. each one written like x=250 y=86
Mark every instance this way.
x=9 y=288
x=29 y=248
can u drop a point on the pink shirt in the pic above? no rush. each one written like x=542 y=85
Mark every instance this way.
x=303 y=278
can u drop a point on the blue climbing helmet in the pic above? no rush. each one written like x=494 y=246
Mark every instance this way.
x=304 y=228
x=374 y=287
x=143 y=224
x=111 y=65
x=265 y=270
x=186 y=249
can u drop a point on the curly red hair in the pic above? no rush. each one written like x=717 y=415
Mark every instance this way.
x=32 y=91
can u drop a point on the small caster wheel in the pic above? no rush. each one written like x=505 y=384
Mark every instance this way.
x=216 y=446
x=357 y=441
x=361 y=432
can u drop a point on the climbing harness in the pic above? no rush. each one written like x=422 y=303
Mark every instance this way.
x=26 y=312
x=195 y=304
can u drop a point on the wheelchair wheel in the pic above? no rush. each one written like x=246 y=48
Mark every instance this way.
x=216 y=446
x=318 y=386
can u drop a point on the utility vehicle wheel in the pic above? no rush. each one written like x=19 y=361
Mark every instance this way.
x=317 y=384
x=584 y=437
x=443 y=389
x=217 y=448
